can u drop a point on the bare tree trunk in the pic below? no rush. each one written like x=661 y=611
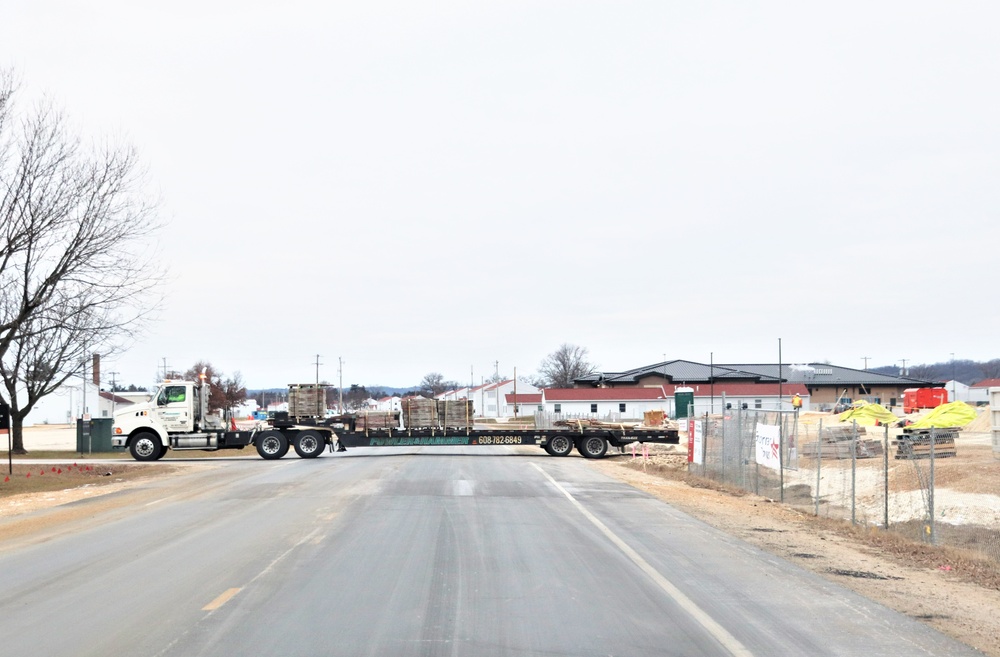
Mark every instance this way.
x=17 y=434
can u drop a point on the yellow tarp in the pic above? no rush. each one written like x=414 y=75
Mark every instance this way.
x=868 y=415
x=954 y=414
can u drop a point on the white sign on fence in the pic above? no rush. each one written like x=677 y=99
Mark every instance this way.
x=768 y=440
x=699 y=446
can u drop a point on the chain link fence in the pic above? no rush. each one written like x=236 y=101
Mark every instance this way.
x=911 y=482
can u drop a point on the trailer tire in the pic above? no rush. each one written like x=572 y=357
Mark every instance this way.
x=559 y=446
x=146 y=446
x=272 y=445
x=592 y=447
x=309 y=444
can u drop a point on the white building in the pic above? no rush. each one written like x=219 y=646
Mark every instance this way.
x=610 y=403
x=490 y=400
x=388 y=404
x=632 y=403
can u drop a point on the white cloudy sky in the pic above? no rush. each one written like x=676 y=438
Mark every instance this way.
x=420 y=187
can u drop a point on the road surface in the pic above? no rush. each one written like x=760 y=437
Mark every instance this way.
x=419 y=551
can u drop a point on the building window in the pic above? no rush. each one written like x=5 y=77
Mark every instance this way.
x=557 y=408
x=621 y=408
x=540 y=408
x=593 y=408
x=757 y=404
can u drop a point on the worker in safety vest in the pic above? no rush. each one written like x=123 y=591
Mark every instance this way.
x=796 y=402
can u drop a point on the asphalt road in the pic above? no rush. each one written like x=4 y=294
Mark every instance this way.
x=433 y=551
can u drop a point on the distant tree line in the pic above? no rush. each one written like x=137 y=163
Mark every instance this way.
x=964 y=371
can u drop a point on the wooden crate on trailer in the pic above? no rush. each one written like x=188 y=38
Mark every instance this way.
x=306 y=400
x=377 y=420
x=455 y=414
x=654 y=418
x=419 y=412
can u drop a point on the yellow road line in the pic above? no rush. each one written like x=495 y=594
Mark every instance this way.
x=221 y=600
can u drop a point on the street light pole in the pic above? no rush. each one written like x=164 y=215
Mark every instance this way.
x=954 y=384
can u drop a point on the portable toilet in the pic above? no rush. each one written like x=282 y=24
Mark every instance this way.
x=683 y=399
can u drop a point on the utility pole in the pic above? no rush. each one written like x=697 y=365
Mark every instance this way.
x=113 y=386
x=902 y=372
x=340 y=385
x=866 y=359
x=164 y=368
x=319 y=411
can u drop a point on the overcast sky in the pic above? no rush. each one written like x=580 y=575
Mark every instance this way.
x=434 y=187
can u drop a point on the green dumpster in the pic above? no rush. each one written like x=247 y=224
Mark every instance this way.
x=94 y=435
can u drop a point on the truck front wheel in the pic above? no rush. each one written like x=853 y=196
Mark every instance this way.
x=146 y=446
x=272 y=445
x=559 y=446
x=593 y=447
x=309 y=444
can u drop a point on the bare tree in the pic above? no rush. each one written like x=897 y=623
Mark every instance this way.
x=924 y=372
x=564 y=366
x=74 y=277
x=234 y=391
x=434 y=384
x=223 y=394
x=990 y=369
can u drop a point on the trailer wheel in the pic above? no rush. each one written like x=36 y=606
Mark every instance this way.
x=309 y=444
x=272 y=445
x=559 y=446
x=592 y=447
x=146 y=446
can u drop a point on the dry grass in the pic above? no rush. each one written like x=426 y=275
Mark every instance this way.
x=71 y=474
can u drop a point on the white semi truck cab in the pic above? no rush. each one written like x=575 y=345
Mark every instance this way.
x=175 y=417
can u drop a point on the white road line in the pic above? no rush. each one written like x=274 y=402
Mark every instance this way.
x=308 y=537
x=157 y=501
x=720 y=633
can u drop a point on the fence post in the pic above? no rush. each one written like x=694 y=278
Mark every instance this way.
x=756 y=465
x=930 y=493
x=781 y=458
x=885 y=472
x=854 y=469
x=819 y=461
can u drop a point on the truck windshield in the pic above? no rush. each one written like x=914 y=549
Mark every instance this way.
x=170 y=395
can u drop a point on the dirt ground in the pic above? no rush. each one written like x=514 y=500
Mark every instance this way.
x=955 y=592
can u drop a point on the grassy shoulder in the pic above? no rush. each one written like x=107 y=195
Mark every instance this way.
x=27 y=478
x=64 y=470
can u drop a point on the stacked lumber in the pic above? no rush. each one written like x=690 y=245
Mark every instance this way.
x=433 y=413
x=306 y=400
x=584 y=423
x=455 y=413
x=377 y=420
x=836 y=442
x=916 y=443
x=419 y=412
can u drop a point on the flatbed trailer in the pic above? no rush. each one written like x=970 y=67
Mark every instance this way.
x=341 y=433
